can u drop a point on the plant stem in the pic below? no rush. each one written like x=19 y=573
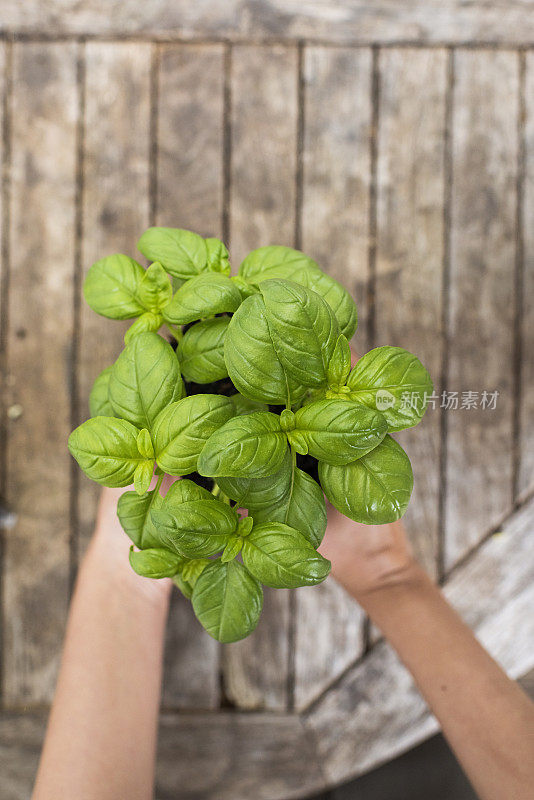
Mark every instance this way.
x=176 y=332
x=217 y=492
x=224 y=498
x=159 y=482
x=293 y=469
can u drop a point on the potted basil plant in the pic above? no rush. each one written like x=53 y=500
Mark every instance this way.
x=255 y=407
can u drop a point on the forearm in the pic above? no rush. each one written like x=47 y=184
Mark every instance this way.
x=486 y=718
x=101 y=737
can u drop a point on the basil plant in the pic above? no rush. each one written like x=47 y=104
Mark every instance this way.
x=254 y=406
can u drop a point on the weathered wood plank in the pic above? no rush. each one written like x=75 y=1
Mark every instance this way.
x=375 y=712
x=340 y=21
x=39 y=336
x=115 y=204
x=482 y=246
x=409 y=260
x=264 y=117
x=5 y=66
x=21 y=738
x=335 y=231
x=190 y=137
x=189 y=195
x=241 y=756
x=264 y=128
x=265 y=756
x=526 y=417
x=336 y=167
x=329 y=636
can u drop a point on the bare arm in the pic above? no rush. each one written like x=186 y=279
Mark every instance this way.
x=101 y=737
x=486 y=717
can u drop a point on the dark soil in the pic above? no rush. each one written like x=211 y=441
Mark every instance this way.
x=309 y=465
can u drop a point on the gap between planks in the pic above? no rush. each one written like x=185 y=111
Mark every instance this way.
x=470 y=44
x=6 y=111
x=74 y=520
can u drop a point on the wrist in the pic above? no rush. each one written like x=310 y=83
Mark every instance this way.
x=386 y=573
x=397 y=588
x=108 y=561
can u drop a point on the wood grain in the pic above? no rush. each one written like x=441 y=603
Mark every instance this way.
x=409 y=261
x=329 y=638
x=337 y=169
x=115 y=204
x=39 y=340
x=526 y=411
x=5 y=68
x=21 y=738
x=335 y=231
x=264 y=115
x=190 y=195
x=190 y=138
x=375 y=712
x=339 y=21
x=264 y=128
x=227 y=756
x=483 y=208
x=265 y=756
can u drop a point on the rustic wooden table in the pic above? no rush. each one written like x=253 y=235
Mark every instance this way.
x=394 y=143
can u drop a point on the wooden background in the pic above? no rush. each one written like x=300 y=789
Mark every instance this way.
x=396 y=147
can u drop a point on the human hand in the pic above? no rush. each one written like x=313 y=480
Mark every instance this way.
x=110 y=545
x=366 y=558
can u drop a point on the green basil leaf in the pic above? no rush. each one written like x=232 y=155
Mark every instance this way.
x=246 y=289
x=337 y=297
x=182 y=429
x=155 y=289
x=247 y=446
x=375 y=489
x=182 y=253
x=302 y=507
x=337 y=431
x=244 y=526
x=218 y=257
x=276 y=261
x=204 y=296
x=242 y=405
x=199 y=529
x=149 y=322
x=142 y=476
x=106 y=450
x=259 y=493
x=183 y=491
x=288 y=264
x=183 y=585
x=201 y=351
x=339 y=366
x=144 y=444
x=282 y=558
x=252 y=362
x=144 y=380
x=232 y=549
x=303 y=329
x=227 y=601
x=110 y=287
x=134 y=515
x=154 y=562
x=192 y=569
x=393 y=381
x=99 y=405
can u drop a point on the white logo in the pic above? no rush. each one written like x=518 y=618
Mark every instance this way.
x=384 y=400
